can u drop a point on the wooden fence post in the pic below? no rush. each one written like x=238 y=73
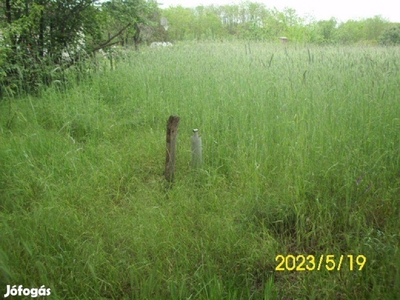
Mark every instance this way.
x=172 y=131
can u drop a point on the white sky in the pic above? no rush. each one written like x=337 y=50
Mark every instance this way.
x=342 y=10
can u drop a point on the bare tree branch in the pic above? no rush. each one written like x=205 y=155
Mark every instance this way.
x=107 y=43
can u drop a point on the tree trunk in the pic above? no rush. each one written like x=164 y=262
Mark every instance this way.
x=136 y=37
x=8 y=11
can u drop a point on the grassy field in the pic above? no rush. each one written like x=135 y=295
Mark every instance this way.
x=301 y=157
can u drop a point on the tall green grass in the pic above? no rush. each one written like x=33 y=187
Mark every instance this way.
x=301 y=156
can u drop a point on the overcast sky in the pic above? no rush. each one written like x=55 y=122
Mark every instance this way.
x=342 y=10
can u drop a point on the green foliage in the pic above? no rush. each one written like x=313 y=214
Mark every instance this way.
x=327 y=29
x=349 y=32
x=391 y=36
x=206 y=23
x=36 y=34
x=43 y=39
x=125 y=14
x=254 y=21
x=250 y=21
x=373 y=28
x=181 y=21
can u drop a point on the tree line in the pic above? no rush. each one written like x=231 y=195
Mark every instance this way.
x=41 y=40
x=254 y=21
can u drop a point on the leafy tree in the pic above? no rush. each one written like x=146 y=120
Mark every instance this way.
x=231 y=18
x=181 y=22
x=327 y=29
x=373 y=28
x=349 y=32
x=206 y=23
x=42 y=38
x=391 y=36
x=37 y=35
x=123 y=18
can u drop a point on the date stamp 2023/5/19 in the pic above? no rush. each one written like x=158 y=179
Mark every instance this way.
x=301 y=263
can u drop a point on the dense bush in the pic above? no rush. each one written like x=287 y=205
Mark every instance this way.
x=391 y=36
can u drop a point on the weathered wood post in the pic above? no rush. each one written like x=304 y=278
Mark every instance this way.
x=172 y=131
